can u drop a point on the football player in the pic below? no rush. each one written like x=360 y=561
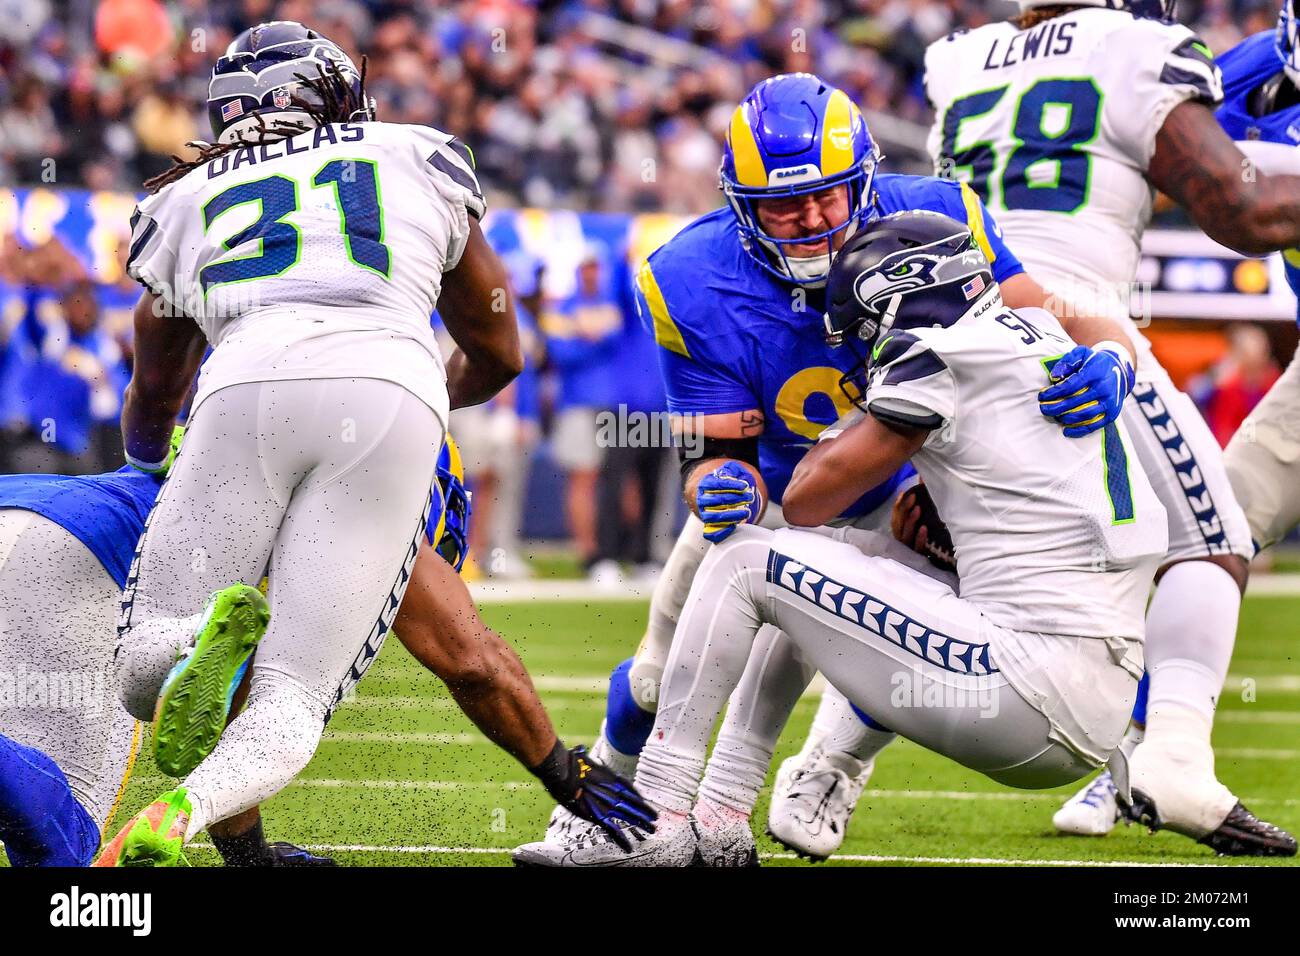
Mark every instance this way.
x=1261 y=110
x=1063 y=120
x=66 y=743
x=1029 y=676
x=317 y=423
x=733 y=301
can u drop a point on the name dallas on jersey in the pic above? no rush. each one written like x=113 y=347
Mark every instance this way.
x=252 y=155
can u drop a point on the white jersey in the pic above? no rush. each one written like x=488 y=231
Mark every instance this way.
x=1055 y=127
x=1052 y=534
x=317 y=256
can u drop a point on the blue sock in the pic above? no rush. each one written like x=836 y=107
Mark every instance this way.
x=627 y=724
x=1140 y=704
x=41 y=822
x=866 y=719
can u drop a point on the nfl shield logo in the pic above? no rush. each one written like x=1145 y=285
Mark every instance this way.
x=973 y=288
x=232 y=109
x=281 y=98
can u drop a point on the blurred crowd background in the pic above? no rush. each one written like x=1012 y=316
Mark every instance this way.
x=602 y=105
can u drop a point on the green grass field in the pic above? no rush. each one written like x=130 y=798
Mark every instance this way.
x=403 y=779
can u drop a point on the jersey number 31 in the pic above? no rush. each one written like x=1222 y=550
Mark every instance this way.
x=361 y=221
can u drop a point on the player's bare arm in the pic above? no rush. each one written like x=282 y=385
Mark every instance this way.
x=478 y=311
x=168 y=351
x=733 y=426
x=1198 y=165
x=440 y=626
x=836 y=472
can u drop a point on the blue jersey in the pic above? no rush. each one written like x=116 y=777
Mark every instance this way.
x=106 y=513
x=1246 y=67
x=734 y=338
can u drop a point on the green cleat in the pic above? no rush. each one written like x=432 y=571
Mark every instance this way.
x=196 y=696
x=153 y=837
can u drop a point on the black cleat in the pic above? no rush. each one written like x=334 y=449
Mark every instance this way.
x=286 y=854
x=1244 y=834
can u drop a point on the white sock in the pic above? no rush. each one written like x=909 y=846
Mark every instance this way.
x=774 y=678
x=261 y=751
x=713 y=642
x=837 y=728
x=1191 y=628
x=602 y=751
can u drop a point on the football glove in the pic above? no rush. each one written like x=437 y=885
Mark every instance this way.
x=726 y=497
x=1089 y=388
x=595 y=793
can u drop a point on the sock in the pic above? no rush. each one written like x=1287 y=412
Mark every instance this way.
x=243 y=849
x=41 y=822
x=602 y=751
x=714 y=639
x=627 y=724
x=862 y=742
x=259 y=753
x=1191 y=628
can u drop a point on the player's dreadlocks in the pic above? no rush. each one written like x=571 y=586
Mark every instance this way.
x=336 y=102
x=1031 y=18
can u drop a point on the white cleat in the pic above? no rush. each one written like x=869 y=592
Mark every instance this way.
x=813 y=799
x=561 y=830
x=725 y=837
x=1093 y=811
x=672 y=844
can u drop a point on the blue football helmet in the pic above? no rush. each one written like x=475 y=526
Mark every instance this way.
x=259 y=82
x=453 y=529
x=795 y=134
x=913 y=269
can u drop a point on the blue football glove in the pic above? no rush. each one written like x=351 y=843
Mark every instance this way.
x=1089 y=388
x=595 y=793
x=726 y=497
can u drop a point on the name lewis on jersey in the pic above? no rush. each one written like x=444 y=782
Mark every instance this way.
x=277 y=149
x=1053 y=38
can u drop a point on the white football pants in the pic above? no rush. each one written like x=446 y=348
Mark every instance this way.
x=1263 y=460
x=328 y=483
x=57 y=611
x=1028 y=710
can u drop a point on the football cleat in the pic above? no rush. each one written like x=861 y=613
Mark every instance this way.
x=286 y=854
x=813 y=799
x=673 y=843
x=1093 y=811
x=561 y=830
x=153 y=837
x=724 y=837
x=196 y=696
x=1174 y=788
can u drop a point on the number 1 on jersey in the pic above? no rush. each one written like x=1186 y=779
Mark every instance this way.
x=361 y=215
x=1114 y=462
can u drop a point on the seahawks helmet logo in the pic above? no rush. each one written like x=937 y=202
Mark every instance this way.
x=908 y=270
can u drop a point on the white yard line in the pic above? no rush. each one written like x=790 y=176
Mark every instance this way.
x=846 y=857
x=560 y=589
x=451 y=785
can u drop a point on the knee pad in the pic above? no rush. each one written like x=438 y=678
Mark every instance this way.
x=627 y=722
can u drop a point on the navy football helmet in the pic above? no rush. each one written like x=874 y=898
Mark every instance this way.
x=270 y=75
x=914 y=269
